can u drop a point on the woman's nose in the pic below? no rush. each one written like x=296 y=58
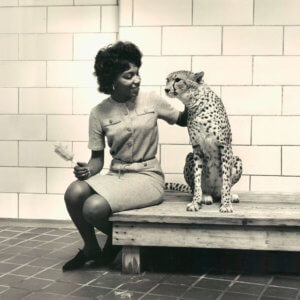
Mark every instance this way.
x=137 y=79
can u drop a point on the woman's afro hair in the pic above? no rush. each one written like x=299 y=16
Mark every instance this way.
x=112 y=60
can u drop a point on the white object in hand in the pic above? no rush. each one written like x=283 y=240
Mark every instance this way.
x=64 y=153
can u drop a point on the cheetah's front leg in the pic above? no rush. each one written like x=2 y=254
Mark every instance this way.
x=226 y=161
x=196 y=203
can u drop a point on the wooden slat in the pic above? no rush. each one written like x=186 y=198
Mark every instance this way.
x=253 y=209
x=231 y=237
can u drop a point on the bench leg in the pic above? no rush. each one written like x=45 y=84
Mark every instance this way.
x=131 y=260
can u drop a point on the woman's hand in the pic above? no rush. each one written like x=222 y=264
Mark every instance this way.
x=82 y=171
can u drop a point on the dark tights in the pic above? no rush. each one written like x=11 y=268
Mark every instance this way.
x=88 y=210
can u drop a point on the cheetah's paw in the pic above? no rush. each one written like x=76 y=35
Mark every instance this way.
x=226 y=208
x=193 y=206
x=235 y=198
x=207 y=199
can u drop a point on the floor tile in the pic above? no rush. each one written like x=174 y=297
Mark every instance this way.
x=286 y=281
x=32 y=284
x=262 y=279
x=180 y=279
x=158 y=297
x=8 y=233
x=61 y=288
x=198 y=293
x=27 y=270
x=43 y=262
x=6 y=267
x=122 y=295
x=246 y=288
x=20 y=259
x=14 y=294
x=281 y=292
x=31 y=244
x=10 y=279
x=12 y=241
x=169 y=289
x=214 y=284
x=80 y=277
x=45 y=237
x=91 y=292
x=51 y=274
x=236 y=296
x=40 y=230
x=139 y=286
x=43 y=296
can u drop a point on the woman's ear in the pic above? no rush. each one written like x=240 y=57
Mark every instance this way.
x=198 y=77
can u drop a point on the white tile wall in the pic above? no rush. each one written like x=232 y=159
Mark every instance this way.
x=23 y=20
x=223 y=12
x=290 y=160
x=259 y=160
x=277 y=70
x=292 y=40
x=58 y=180
x=224 y=70
x=45 y=2
x=9 y=205
x=74 y=19
x=125 y=12
x=22 y=73
x=275 y=184
x=173 y=157
x=167 y=12
x=95 y=2
x=67 y=128
x=161 y=66
x=18 y=127
x=46 y=47
x=249 y=40
x=41 y=154
x=87 y=45
x=9 y=46
x=9 y=153
x=191 y=40
x=252 y=100
x=291 y=100
x=70 y=74
x=109 y=19
x=22 y=180
x=43 y=206
x=140 y=36
x=277 y=12
x=249 y=51
x=9 y=2
x=45 y=100
x=8 y=100
x=240 y=129
x=275 y=130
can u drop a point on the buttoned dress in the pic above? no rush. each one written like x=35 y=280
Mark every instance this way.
x=135 y=178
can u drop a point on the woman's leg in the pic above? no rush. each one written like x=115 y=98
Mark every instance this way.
x=96 y=211
x=76 y=195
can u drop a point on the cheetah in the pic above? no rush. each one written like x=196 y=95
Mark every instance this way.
x=211 y=169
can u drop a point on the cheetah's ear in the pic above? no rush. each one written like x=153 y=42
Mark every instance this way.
x=198 y=77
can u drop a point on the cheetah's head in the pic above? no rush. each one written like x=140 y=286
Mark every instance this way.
x=179 y=82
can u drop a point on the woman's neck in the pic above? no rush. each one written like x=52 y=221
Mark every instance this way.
x=119 y=98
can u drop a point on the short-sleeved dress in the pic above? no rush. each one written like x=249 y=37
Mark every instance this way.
x=135 y=178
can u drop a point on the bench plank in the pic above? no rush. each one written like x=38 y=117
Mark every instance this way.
x=254 y=209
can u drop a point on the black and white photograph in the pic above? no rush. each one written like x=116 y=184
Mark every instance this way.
x=150 y=149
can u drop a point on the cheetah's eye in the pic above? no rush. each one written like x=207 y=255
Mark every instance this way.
x=177 y=79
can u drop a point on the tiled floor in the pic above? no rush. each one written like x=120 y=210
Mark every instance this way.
x=31 y=260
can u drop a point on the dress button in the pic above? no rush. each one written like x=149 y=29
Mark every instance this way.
x=145 y=164
x=110 y=121
x=125 y=113
x=129 y=129
x=129 y=144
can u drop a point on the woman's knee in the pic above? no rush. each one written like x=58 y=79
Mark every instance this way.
x=77 y=192
x=96 y=209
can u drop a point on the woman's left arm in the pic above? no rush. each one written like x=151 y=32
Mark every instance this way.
x=182 y=118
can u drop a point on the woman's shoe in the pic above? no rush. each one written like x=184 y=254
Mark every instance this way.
x=79 y=260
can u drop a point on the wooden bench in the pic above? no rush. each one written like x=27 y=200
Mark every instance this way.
x=259 y=222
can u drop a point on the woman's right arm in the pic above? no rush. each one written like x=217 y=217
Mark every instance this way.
x=85 y=170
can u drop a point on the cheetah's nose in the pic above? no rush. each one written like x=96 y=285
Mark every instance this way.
x=167 y=91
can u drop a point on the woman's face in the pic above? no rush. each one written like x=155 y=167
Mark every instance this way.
x=127 y=84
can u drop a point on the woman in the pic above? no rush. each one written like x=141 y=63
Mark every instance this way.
x=128 y=119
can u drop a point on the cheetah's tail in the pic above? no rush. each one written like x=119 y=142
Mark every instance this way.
x=178 y=187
